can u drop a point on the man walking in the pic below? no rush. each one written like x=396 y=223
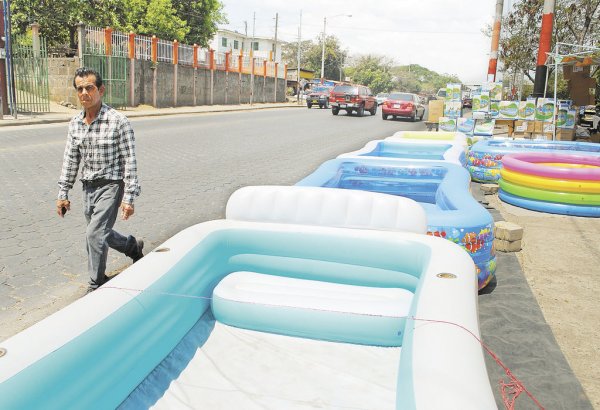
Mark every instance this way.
x=102 y=139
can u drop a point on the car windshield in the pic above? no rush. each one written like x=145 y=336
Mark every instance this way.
x=321 y=89
x=401 y=97
x=348 y=89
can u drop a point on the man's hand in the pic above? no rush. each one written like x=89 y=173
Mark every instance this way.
x=62 y=206
x=126 y=210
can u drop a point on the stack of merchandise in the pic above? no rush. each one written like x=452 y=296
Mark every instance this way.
x=452 y=108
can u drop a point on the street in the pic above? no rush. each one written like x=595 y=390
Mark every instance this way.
x=188 y=166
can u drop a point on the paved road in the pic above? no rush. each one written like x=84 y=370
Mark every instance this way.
x=188 y=167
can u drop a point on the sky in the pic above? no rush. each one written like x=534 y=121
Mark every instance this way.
x=442 y=35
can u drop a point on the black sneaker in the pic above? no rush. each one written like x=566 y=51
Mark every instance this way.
x=140 y=254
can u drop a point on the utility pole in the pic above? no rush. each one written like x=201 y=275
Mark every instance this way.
x=323 y=51
x=539 y=86
x=493 y=65
x=252 y=60
x=245 y=33
x=275 y=46
x=5 y=82
x=253 y=28
x=298 y=62
x=3 y=93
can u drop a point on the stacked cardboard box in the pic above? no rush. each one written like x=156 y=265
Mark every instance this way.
x=436 y=110
x=582 y=88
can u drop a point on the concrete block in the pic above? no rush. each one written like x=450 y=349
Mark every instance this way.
x=507 y=231
x=502 y=245
x=489 y=189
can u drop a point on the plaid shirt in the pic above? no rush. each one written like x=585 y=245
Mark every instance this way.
x=107 y=147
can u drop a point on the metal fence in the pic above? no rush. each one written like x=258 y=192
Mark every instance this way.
x=96 y=43
x=30 y=68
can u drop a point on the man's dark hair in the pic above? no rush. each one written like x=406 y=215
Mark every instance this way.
x=84 y=72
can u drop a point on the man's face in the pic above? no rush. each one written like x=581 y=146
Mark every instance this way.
x=89 y=95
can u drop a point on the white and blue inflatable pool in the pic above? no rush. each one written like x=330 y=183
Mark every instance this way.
x=380 y=288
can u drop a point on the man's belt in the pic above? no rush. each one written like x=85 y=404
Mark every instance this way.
x=97 y=183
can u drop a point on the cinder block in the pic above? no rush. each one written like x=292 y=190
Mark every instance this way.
x=489 y=189
x=507 y=231
x=507 y=246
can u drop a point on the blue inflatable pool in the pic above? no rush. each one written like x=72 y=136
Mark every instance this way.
x=441 y=188
x=399 y=149
x=484 y=159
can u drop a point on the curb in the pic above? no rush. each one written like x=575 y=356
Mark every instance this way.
x=133 y=114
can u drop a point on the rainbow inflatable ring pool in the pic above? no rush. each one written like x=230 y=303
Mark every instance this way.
x=484 y=159
x=549 y=182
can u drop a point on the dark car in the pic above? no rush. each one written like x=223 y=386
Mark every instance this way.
x=352 y=98
x=403 y=105
x=319 y=96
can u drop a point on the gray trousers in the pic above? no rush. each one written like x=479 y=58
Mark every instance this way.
x=101 y=207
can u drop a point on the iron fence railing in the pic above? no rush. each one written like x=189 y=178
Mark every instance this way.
x=30 y=68
x=149 y=48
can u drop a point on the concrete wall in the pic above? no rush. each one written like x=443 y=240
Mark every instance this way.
x=154 y=85
x=60 y=79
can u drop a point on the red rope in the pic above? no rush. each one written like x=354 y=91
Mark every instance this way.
x=510 y=391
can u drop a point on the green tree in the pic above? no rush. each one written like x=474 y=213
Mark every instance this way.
x=575 y=22
x=202 y=19
x=185 y=20
x=372 y=71
x=289 y=53
x=56 y=18
x=311 y=53
x=155 y=17
x=417 y=79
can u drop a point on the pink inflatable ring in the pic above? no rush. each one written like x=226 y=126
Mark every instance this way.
x=529 y=163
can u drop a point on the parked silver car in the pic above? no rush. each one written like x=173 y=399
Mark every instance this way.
x=381 y=98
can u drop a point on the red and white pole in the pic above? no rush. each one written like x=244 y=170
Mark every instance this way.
x=495 y=41
x=539 y=86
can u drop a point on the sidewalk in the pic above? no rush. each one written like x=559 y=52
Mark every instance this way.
x=59 y=113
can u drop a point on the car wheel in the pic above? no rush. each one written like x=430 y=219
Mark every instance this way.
x=384 y=115
x=309 y=105
x=374 y=109
x=320 y=106
x=335 y=110
x=361 y=111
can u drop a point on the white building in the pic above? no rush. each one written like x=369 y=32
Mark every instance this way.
x=262 y=47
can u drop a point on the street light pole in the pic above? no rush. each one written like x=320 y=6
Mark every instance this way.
x=323 y=50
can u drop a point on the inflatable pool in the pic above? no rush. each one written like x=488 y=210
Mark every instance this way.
x=440 y=187
x=550 y=182
x=399 y=149
x=197 y=322
x=484 y=159
x=422 y=136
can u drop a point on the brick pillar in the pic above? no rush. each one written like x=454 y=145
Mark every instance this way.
x=175 y=70
x=131 y=53
x=212 y=75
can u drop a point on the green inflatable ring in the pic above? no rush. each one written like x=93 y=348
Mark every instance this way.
x=549 y=196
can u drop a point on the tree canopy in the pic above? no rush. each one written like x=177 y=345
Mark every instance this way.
x=192 y=22
x=311 y=53
x=575 y=22
x=377 y=72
